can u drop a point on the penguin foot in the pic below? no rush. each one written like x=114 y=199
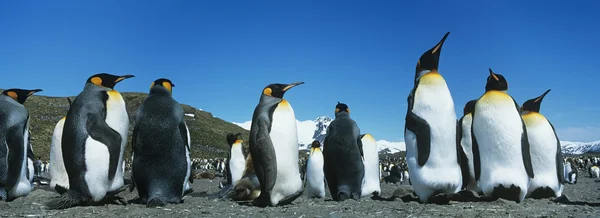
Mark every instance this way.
x=156 y=202
x=113 y=200
x=263 y=200
x=61 y=190
x=290 y=199
x=465 y=196
x=442 y=199
x=67 y=200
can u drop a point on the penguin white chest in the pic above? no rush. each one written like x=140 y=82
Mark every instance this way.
x=237 y=163
x=467 y=147
x=284 y=136
x=58 y=173
x=23 y=186
x=315 y=177
x=543 y=147
x=118 y=119
x=371 y=182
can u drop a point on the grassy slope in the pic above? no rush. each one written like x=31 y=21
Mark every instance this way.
x=207 y=132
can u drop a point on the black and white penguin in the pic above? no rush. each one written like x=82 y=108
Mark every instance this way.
x=501 y=154
x=570 y=173
x=430 y=131
x=371 y=180
x=15 y=177
x=464 y=137
x=315 y=177
x=274 y=147
x=160 y=144
x=94 y=136
x=344 y=168
x=547 y=158
x=236 y=162
x=59 y=180
x=594 y=171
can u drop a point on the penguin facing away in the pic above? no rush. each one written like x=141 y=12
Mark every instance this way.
x=59 y=180
x=160 y=143
x=94 y=136
x=546 y=154
x=14 y=144
x=315 y=177
x=371 y=181
x=501 y=154
x=343 y=155
x=236 y=162
x=430 y=131
x=464 y=137
x=274 y=147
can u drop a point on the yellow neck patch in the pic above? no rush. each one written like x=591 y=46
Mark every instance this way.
x=533 y=118
x=267 y=91
x=239 y=141
x=168 y=86
x=432 y=78
x=13 y=95
x=97 y=81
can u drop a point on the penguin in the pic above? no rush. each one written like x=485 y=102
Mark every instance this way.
x=570 y=174
x=31 y=170
x=94 y=136
x=464 y=137
x=236 y=162
x=161 y=148
x=343 y=166
x=59 y=180
x=501 y=153
x=547 y=158
x=15 y=172
x=274 y=147
x=594 y=172
x=315 y=177
x=371 y=184
x=430 y=131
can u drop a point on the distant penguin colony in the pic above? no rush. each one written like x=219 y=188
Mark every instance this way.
x=496 y=148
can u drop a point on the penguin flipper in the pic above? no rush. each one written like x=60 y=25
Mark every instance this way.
x=421 y=129
x=475 y=150
x=99 y=130
x=525 y=149
x=264 y=159
x=184 y=134
x=14 y=141
x=462 y=158
x=360 y=147
x=560 y=170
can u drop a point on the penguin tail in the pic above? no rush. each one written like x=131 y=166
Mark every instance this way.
x=67 y=200
x=156 y=202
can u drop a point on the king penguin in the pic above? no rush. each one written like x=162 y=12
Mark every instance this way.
x=94 y=136
x=343 y=155
x=59 y=180
x=274 y=147
x=430 y=131
x=315 y=178
x=371 y=181
x=160 y=143
x=464 y=137
x=501 y=157
x=236 y=162
x=14 y=144
x=546 y=155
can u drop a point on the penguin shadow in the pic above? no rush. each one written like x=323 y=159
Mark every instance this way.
x=563 y=199
x=439 y=199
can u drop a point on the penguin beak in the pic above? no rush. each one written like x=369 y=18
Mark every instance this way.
x=292 y=85
x=34 y=91
x=437 y=48
x=121 y=78
x=493 y=75
x=539 y=99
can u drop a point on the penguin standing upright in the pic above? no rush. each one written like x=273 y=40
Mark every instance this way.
x=315 y=177
x=236 y=162
x=161 y=148
x=371 y=181
x=343 y=155
x=501 y=157
x=464 y=137
x=94 y=136
x=59 y=180
x=547 y=159
x=274 y=147
x=430 y=131
x=14 y=144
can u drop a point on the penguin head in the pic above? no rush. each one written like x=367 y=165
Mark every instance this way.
x=496 y=82
x=316 y=144
x=20 y=95
x=107 y=80
x=277 y=90
x=232 y=139
x=469 y=107
x=162 y=83
x=533 y=105
x=341 y=108
x=429 y=60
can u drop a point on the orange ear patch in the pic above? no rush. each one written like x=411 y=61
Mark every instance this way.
x=97 y=81
x=267 y=91
x=12 y=95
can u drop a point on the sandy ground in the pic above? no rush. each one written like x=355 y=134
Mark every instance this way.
x=583 y=201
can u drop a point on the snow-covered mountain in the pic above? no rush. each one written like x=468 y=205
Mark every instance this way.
x=311 y=130
x=580 y=147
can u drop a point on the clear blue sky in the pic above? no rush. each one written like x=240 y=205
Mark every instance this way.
x=220 y=54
